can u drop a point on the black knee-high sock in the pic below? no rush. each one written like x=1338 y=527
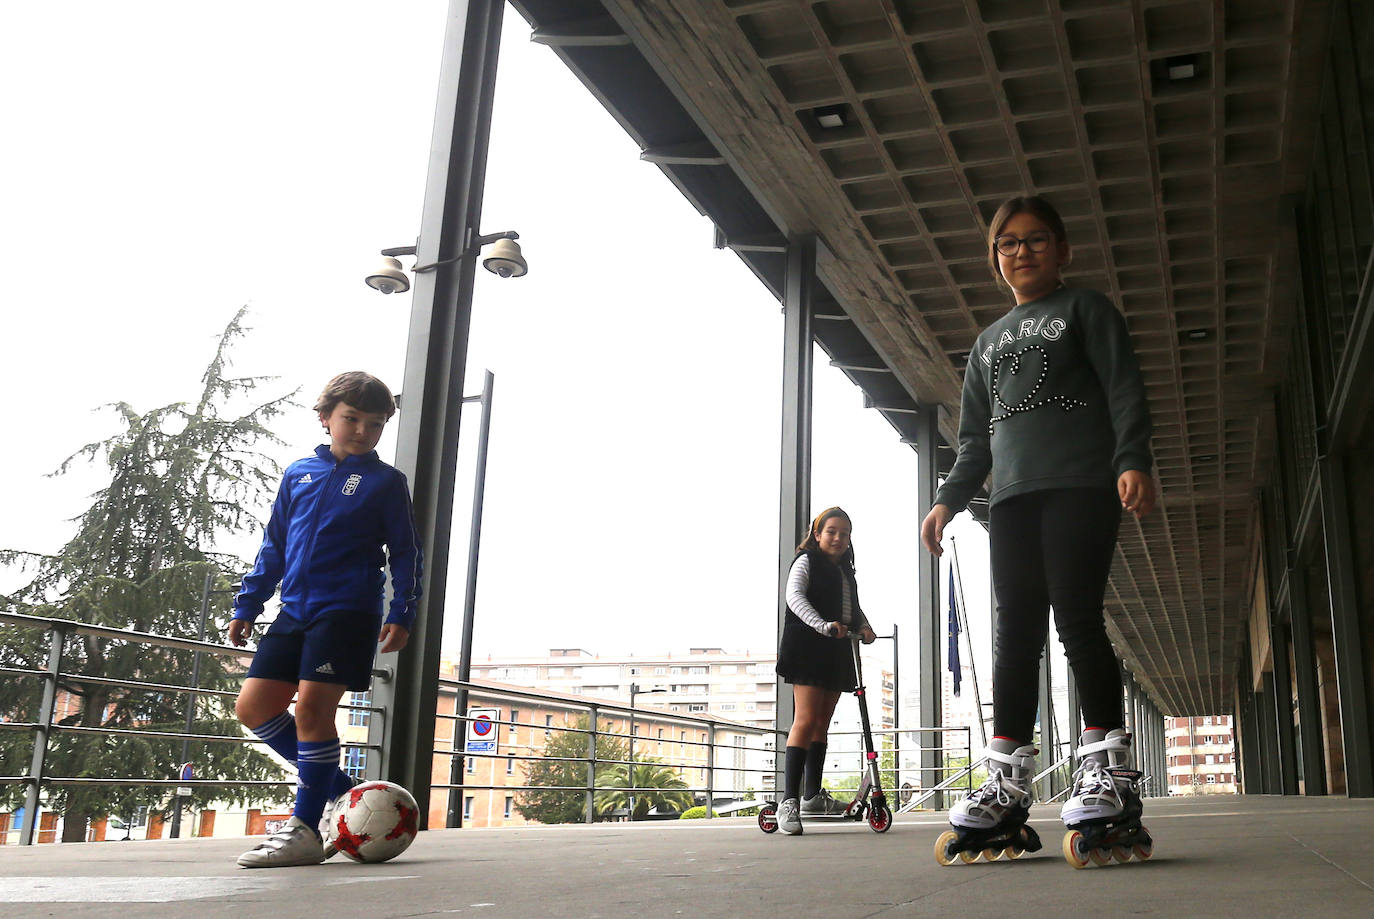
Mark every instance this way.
x=793 y=766
x=815 y=765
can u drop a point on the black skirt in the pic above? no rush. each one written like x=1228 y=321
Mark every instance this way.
x=808 y=658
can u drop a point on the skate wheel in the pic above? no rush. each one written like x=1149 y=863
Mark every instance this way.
x=1074 y=852
x=1013 y=851
x=880 y=818
x=1145 y=848
x=992 y=855
x=1100 y=857
x=967 y=857
x=944 y=847
x=768 y=818
x=1121 y=854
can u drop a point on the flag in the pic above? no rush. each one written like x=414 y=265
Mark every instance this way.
x=954 y=666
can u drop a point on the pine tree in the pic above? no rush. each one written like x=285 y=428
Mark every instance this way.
x=181 y=478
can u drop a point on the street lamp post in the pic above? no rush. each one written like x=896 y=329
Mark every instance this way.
x=479 y=488
x=630 y=774
x=206 y=591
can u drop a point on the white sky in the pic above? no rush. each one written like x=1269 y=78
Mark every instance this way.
x=170 y=162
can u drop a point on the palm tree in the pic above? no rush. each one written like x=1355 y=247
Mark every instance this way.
x=649 y=773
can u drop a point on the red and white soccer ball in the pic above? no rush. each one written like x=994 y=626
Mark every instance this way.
x=374 y=822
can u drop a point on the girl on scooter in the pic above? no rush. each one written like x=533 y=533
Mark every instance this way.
x=814 y=656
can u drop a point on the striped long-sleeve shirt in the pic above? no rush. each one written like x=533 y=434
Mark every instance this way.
x=799 y=579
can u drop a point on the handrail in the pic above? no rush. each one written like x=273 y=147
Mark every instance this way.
x=720 y=757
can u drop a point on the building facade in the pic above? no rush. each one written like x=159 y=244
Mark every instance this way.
x=1201 y=753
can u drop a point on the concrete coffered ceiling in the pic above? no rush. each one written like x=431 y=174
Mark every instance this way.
x=1174 y=137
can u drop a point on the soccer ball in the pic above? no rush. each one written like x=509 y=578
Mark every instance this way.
x=374 y=822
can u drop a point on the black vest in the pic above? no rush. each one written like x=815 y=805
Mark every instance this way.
x=826 y=589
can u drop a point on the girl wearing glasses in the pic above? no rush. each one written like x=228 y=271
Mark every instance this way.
x=1054 y=407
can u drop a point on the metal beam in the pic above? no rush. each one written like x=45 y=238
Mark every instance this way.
x=928 y=619
x=794 y=484
x=1346 y=632
x=1268 y=734
x=436 y=358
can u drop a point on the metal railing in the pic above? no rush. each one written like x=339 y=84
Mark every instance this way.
x=736 y=767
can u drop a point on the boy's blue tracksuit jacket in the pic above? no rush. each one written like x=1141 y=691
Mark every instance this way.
x=324 y=542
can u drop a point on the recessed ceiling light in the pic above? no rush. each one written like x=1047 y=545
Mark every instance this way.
x=831 y=116
x=1183 y=67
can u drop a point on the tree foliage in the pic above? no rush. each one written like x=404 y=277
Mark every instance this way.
x=552 y=805
x=181 y=478
x=664 y=784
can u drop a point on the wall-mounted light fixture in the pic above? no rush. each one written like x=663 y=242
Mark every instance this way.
x=504 y=260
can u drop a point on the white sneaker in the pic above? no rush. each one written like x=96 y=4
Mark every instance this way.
x=822 y=803
x=294 y=844
x=789 y=817
x=332 y=809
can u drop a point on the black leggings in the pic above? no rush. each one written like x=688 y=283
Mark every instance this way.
x=1053 y=548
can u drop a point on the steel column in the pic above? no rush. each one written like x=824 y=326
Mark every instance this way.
x=928 y=631
x=1346 y=632
x=794 y=504
x=1074 y=721
x=38 y=763
x=1248 y=731
x=1312 y=745
x=1268 y=731
x=436 y=358
x=1287 y=761
x=1048 y=747
x=479 y=491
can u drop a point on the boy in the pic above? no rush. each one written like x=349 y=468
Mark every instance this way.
x=333 y=514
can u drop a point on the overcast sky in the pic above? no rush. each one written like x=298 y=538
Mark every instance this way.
x=169 y=162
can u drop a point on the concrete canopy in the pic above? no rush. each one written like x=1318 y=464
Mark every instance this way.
x=1172 y=136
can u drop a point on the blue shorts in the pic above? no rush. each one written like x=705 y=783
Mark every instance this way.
x=337 y=647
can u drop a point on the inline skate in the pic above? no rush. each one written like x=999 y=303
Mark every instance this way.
x=1103 y=810
x=991 y=821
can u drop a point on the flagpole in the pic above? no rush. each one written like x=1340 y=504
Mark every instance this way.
x=961 y=611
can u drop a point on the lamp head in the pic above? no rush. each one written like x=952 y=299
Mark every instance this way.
x=389 y=278
x=505 y=259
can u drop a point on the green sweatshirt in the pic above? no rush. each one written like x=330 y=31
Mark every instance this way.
x=1052 y=399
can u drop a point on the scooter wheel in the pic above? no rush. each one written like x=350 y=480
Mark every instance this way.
x=880 y=818
x=768 y=818
x=944 y=847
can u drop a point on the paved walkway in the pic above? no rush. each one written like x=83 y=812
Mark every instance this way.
x=1217 y=857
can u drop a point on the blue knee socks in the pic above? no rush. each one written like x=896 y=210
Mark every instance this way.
x=280 y=735
x=317 y=762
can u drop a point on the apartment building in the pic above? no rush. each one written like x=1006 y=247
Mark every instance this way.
x=1201 y=755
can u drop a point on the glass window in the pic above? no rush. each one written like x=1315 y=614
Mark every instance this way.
x=510 y=801
x=354 y=762
x=356 y=717
x=470 y=766
x=510 y=768
x=514 y=720
x=467 y=807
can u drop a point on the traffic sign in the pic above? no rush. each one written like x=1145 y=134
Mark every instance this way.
x=483 y=730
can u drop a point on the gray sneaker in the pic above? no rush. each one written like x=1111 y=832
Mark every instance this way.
x=294 y=844
x=822 y=803
x=789 y=817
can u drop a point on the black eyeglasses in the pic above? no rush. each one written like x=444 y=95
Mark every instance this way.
x=1009 y=245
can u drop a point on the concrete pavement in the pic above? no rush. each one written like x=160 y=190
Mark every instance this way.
x=1215 y=856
